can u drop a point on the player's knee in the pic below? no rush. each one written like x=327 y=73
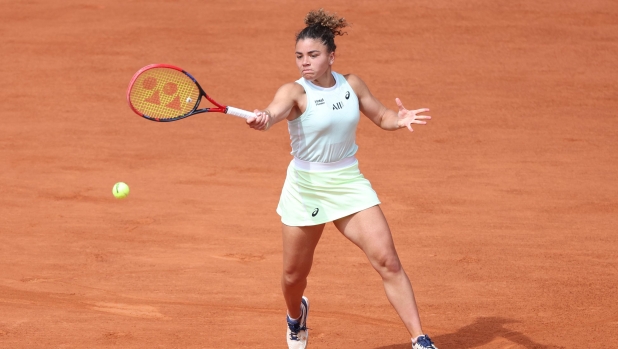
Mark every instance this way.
x=292 y=278
x=388 y=264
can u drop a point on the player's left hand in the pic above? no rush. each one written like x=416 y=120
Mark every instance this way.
x=261 y=120
x=409 y=117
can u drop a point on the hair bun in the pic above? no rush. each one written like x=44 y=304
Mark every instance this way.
x=325 y=19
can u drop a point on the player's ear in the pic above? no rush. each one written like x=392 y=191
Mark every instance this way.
x=331 y=58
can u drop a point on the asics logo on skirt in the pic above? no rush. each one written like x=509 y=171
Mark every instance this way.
x=315 y=212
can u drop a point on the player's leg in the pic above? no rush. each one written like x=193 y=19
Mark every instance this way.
x=369 y=230
x=298 y=247
x=299 y=244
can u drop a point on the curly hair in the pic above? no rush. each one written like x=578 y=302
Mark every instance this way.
x=323 y=26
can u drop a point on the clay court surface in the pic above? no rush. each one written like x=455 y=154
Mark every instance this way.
x=504 y=208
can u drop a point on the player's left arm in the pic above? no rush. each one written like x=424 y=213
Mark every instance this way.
x=387 y=119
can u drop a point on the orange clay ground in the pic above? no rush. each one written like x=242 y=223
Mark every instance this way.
x=504 y=207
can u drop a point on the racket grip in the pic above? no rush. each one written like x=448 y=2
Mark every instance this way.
x=239 y=112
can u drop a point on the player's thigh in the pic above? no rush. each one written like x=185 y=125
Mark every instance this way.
x=299 y=244
x=369 y=230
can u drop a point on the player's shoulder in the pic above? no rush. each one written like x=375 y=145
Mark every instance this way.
x=350 y=76
x=292 y=89
x=355 y=81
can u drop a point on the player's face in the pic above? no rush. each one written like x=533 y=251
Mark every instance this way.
x=313 y=59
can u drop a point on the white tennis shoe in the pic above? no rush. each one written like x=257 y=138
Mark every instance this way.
x=297 y=333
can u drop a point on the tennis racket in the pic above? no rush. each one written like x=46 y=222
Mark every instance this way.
x=163 y=92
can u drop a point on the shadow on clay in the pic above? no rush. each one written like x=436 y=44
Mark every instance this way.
x=483 y=331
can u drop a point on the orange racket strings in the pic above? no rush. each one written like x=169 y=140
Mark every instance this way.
x=163 y=93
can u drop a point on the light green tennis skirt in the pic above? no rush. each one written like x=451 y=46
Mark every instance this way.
x=315 y=193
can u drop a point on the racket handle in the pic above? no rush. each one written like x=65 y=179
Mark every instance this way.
x=239 y=112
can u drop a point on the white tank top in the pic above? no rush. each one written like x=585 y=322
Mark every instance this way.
x=326 y=131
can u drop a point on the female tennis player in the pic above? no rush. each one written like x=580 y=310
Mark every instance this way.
x=323 y=182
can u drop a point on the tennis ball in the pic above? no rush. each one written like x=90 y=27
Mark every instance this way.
x=120 y=190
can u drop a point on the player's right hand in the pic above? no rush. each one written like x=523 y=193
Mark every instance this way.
x=261 y=120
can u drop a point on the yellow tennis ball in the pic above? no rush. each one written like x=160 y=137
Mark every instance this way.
x=120 y=190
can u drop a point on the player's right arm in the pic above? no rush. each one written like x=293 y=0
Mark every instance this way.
x=287 y=103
